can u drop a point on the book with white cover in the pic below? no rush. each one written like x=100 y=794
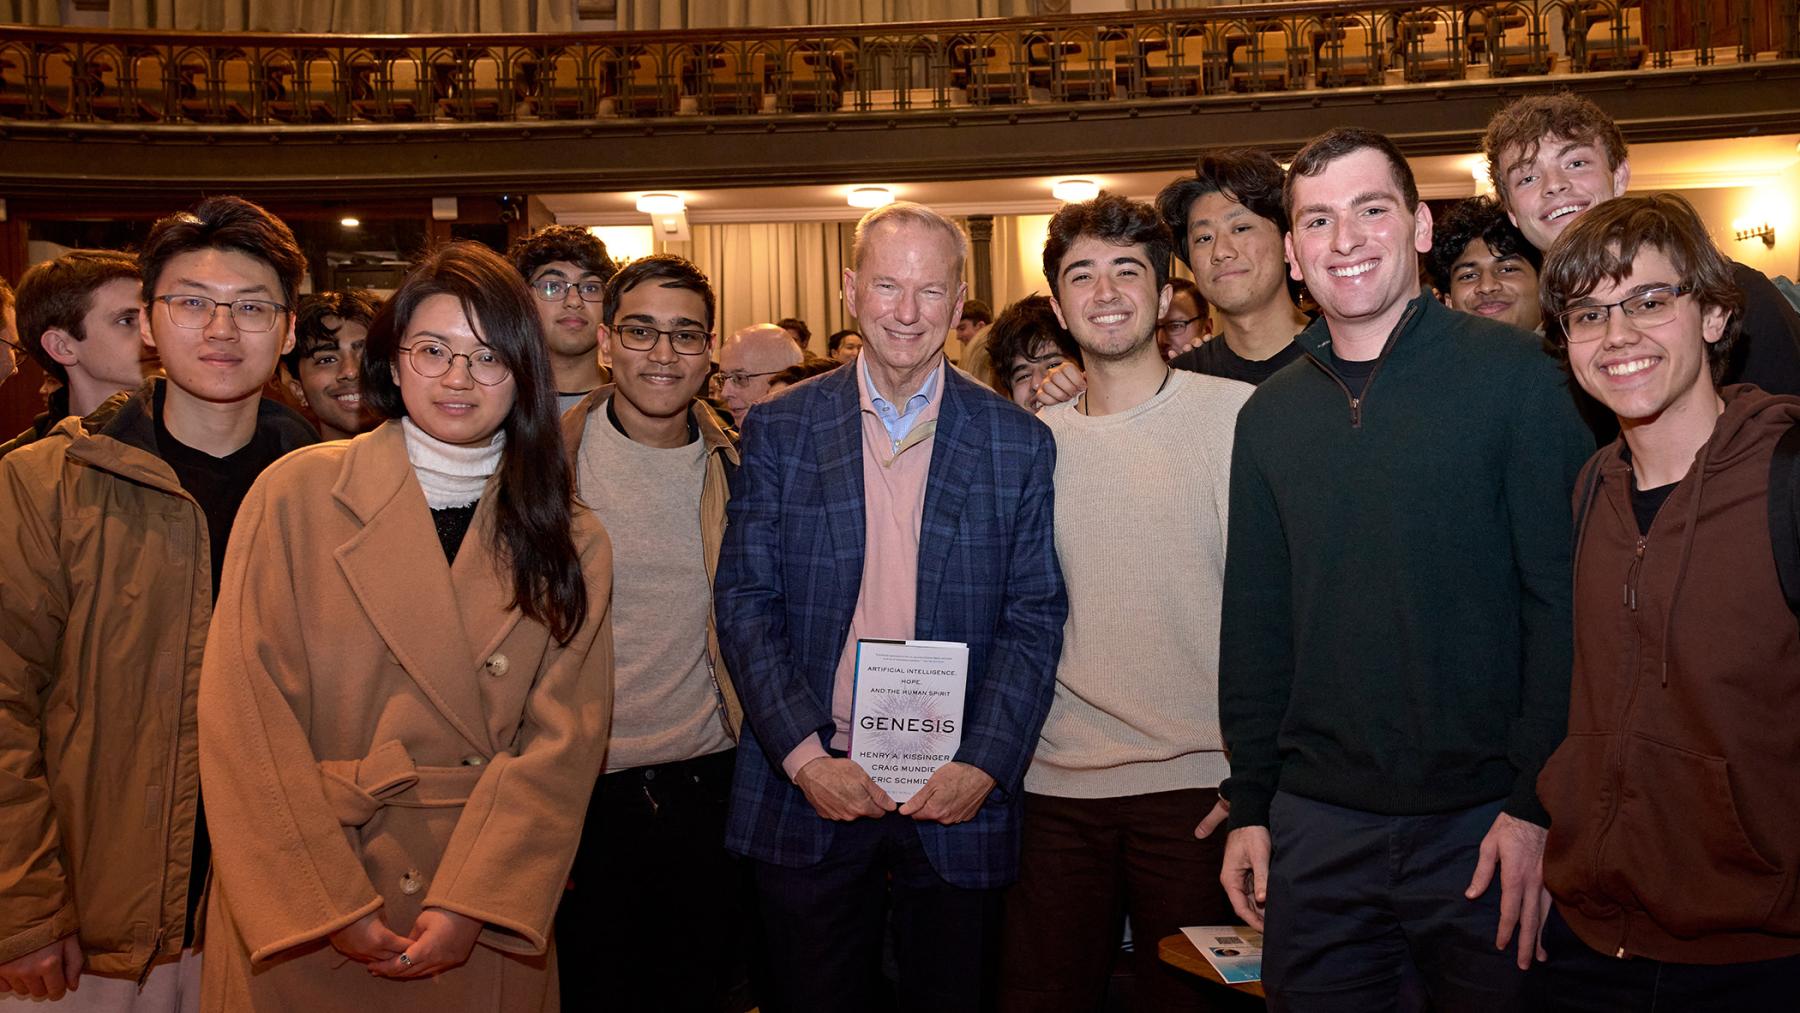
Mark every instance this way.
x=907 y=715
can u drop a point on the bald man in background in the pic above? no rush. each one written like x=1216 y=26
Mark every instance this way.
x=747 y=361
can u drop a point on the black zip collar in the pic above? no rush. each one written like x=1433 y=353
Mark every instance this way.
x=1316 y=342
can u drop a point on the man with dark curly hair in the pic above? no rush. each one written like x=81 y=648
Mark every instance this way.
x=1121 y=797
x=1482 y=264
x=1026 y=343
x=324 y=370
x=567 y=268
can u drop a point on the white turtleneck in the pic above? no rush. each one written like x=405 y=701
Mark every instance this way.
x=451 y=475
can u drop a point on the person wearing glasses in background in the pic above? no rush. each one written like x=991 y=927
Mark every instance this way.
x=1674 y=809
x=1185 y=326
x=114 y=528
x=567 y=268
x=404 y=704
x=652 y=462
x=747 y=361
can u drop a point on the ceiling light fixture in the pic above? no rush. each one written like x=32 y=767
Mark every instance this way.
x=350 y=223
x=661 y=204
x=870 y=196
x=1074 y=191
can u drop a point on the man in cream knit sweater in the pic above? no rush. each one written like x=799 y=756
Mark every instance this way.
x=1130 y=758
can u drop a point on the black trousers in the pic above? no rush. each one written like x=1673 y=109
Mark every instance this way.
x=1087 y=863
x=1362 y=904
x=657 y=915
x=823 y=927
x=1577 y=979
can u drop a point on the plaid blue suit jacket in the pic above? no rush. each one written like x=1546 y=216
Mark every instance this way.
x=790 y=571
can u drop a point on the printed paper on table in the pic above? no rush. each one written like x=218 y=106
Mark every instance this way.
x=907 y=715
x=1235 y=951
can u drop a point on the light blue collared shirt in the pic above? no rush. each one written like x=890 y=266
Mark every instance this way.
x=899 y=423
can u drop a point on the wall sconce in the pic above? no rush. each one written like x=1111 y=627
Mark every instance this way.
x=1763 y=231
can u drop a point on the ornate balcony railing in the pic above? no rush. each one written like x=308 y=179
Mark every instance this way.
x=258 y=80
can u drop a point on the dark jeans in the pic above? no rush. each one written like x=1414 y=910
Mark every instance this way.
x=657 y=917
x=1359 y=903
x=1084 y=865
x=823 y=926
x=1578 y=979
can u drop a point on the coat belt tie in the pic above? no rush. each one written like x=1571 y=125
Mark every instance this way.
x=357 y=789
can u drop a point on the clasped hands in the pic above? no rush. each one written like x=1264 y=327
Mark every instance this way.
x=839 y=789
x=439 y=941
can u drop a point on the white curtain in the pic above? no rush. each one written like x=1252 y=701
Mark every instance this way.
x=1016 y=257
x=765 y=271
x=347 y=17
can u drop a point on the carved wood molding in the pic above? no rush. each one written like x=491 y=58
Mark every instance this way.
x=58 y=161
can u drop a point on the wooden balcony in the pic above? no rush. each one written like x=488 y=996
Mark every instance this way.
x=169 y=112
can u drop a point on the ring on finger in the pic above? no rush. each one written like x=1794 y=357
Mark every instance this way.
x=405 y=961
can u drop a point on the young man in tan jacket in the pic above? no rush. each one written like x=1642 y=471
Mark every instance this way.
x=651 y=461
x=112 y=535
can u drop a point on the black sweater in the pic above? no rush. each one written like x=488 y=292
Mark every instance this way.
x=1396 y=628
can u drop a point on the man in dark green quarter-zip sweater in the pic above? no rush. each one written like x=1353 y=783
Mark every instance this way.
x=1395 y=645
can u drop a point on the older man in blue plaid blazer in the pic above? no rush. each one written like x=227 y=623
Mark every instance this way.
x=826 y=842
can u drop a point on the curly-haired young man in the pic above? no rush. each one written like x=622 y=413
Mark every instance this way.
x=1482 y=264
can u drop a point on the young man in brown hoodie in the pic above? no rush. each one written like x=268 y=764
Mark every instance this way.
x=1674 y=802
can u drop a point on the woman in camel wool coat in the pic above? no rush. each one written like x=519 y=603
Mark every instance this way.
x=395 y=753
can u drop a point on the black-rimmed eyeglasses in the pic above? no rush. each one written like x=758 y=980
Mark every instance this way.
x=685 y=341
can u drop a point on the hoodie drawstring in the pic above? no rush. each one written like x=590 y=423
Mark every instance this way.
x=1687 y=551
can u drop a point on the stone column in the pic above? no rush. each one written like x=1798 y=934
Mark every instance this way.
x=981 y=240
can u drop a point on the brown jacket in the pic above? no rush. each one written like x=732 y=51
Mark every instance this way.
x=721 y=452
x=105 y=594
x=379 y=731
x=1675 y=800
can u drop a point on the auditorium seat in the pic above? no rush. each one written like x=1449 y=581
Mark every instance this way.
x=1263 y=61
x=306 y=90
x=1615 y=38
x=1005 y=71
x=809 y=78
x=1429 y=47
x=1344 y=53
